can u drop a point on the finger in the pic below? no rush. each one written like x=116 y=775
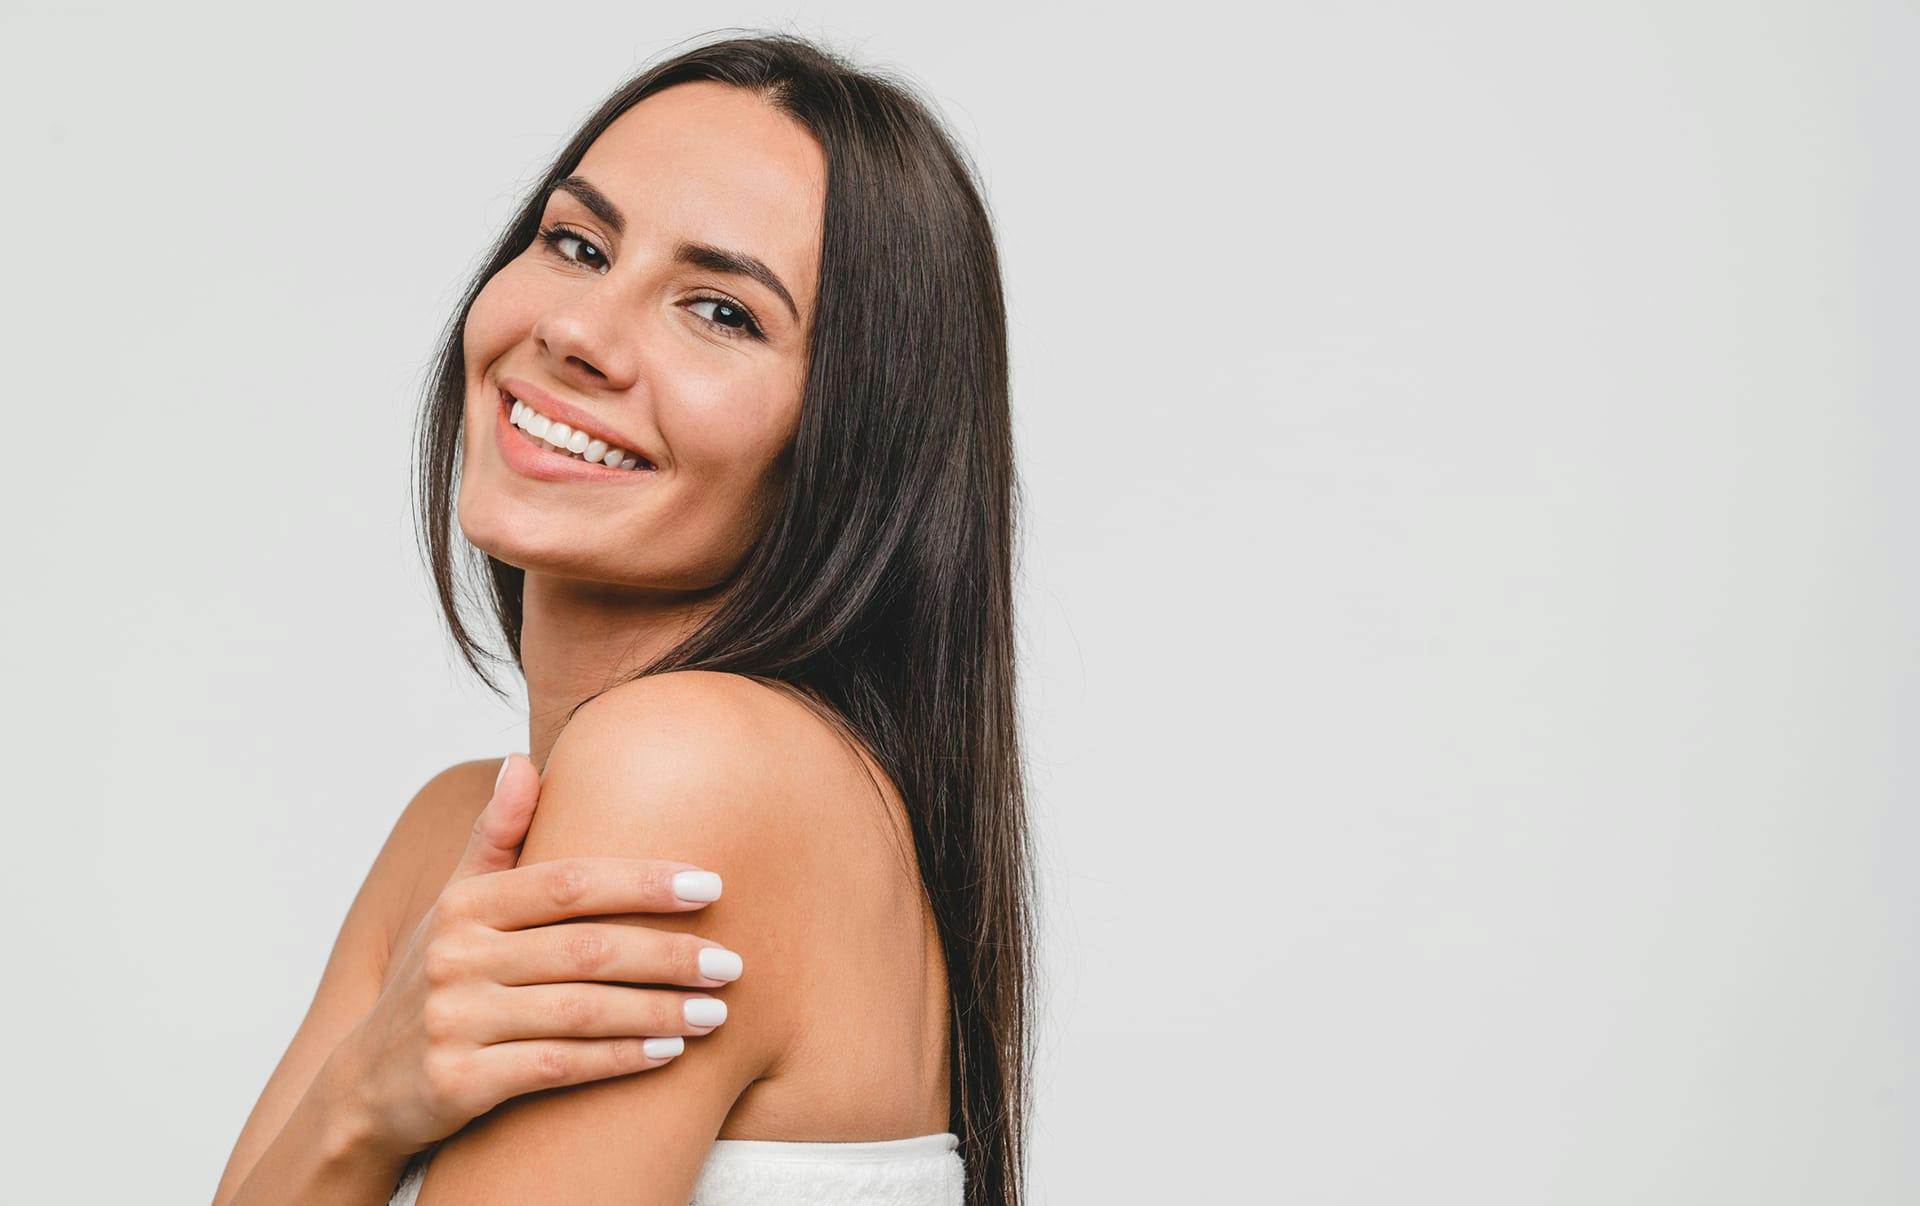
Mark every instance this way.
x=529 y=1065
x=607 y=950
x=592 y=1011
x=584 y=886
x=501 y=828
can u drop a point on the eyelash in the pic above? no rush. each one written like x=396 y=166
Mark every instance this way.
x=552 y=235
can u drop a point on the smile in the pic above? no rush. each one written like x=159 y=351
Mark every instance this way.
x=556 y=436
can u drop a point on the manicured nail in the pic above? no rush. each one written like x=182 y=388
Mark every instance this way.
x=719 y=963
x=697 y=885
x=705 y=1011
x=663 y=1048
x=504 y=764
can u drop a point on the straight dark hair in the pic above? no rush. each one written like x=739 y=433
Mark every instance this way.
x=881 y=586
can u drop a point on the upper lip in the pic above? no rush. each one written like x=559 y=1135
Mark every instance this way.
x=573 y=417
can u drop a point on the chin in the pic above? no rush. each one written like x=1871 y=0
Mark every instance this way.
x=540 y=549
x=533 y=532
x=506 y=530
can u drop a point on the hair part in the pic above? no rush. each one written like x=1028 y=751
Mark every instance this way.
x=881 y=584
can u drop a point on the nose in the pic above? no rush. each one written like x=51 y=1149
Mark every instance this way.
x=585 y=340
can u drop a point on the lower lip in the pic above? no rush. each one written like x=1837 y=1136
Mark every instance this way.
x=537 y=458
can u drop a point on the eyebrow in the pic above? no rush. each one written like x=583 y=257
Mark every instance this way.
x=699 y=255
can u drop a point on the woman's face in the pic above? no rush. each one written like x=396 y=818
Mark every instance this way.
x=641 y=318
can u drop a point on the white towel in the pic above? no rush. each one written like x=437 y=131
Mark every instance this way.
x=922 y=1170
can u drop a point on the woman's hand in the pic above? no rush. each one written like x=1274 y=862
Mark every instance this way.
x=492 y=999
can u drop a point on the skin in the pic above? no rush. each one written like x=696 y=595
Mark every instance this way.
x=837 y=1029
x=615 y=574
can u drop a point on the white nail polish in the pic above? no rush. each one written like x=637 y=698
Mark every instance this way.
x=718 y=963
x=697 y=885
x=661 y=1048
x=705 y=1011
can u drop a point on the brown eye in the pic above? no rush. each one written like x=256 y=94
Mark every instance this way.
x=556 y=238
x=732 y=317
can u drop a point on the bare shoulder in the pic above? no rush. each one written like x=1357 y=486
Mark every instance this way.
x=422 y=848
x=823 y=896
x=747 y=751
x=712 y=711
x=462 y=787
x=722 y=773
x=429 y=837
x=446 y=806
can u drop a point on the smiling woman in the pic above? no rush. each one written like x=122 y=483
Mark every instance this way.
x=722 y=425
x=620 y=327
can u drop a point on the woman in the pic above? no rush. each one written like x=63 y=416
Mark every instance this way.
x=725 y=416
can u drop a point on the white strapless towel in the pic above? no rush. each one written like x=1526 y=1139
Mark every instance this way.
x=922 y=1170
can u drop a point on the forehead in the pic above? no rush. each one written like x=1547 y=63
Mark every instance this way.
x=716 y=164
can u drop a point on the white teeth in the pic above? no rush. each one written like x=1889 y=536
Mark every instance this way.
x=564 y=439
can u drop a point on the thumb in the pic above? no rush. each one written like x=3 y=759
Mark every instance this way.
x=501 y=827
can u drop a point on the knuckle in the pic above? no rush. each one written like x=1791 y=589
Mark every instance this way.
x=553 y=1063
x=455 y=903
x=444 y=962
x=576 y=1011
x=440 y=1018
x=654 y=879
x=624 y=1053
x=566 y=883
x=587 y=951
x=680 y=959
x=444 y=1077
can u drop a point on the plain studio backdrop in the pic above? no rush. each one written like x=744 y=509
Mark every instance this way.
x=1468 y=578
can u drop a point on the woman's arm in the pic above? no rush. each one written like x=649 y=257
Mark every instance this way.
x=351 y=981
x=684 y=766
x=323 y=1156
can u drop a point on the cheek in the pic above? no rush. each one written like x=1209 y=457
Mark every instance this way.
x=498 y=320
x=727 y=448
x=500 y=315
x=732 y=439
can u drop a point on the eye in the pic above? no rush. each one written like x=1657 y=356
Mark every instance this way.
x=556 y=236
x=733 y=319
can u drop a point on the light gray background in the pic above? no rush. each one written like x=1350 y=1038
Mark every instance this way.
x=1468 y=585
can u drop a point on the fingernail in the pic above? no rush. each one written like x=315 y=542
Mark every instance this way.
x=661 y=1048
x=705 y=1011
x=696 y=885
x=719 y=963
x=504 y=764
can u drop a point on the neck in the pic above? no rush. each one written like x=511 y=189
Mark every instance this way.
x=579 y=638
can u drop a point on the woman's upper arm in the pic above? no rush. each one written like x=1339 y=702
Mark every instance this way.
x=351 y=981
x=677 y=766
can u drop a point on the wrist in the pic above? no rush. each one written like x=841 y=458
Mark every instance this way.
x=340 y=1113
x=328 y=1152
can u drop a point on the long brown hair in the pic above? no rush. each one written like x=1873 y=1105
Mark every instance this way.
x=882 y=584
